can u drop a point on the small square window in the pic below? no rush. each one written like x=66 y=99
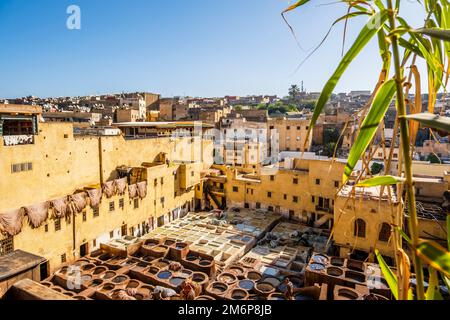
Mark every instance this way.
x=84 y=216
x=318 y=181
x=295 y=199
x=58 y=224
x=121 y=203
x=94 y=243
x=299 y=128
x=285 y=196
x=96 y=212
x=235 y=189
x=295 y=180
x=258 y=205
x=136 y=203
x=336 y=184
x=112 y=206
x=63 y=258
x=269 y=194
x=111 y=234
x=313 y=199
x=270 y=208
x=272 y=178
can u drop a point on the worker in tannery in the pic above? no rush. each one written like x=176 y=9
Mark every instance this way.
x=289 y=293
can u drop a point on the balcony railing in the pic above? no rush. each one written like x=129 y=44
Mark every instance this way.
x=18 y=140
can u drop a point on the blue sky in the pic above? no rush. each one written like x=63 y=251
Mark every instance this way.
x=177 y=47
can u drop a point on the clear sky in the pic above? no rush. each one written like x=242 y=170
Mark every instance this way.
x=177 y=47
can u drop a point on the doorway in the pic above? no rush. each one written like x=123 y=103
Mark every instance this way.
x=124 y=230
x=83 y=250
x=43 y=270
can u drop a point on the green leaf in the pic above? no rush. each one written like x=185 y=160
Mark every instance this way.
x=370 y=125
x=404 y=235
x=381 y=181
x=436 y=33
x=296 y=5
x=436 y=256
x=390 y=277
x=431 y=120
x=369 y=30
x=433 y=286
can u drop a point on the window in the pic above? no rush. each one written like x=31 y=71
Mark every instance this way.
x=136 y=203
x=271 y=127
x=84 y=216
x=63 y=258
x=336 y=184
x=373 y=210
x=6 y=246
x=111 y=234
x=270 y=208
x=299 y=128
x=318 y=181
x=235 y=189
x=313 y=199
x=46 y=227
x=155 y=182
x=269 y=194
x=162 y=181
x=112 y=206
x=258 y=205
x=192 y=173
x=163 y=200
x=121 y=203
x=288 y=128
x=58 y=224
x=295 y=181
x=21 y=167
x=360 y=228
x=246 y=205
x=295 y=199
x=385 y=232
x=96 y=212
x=66 y=136
x=272 y=178
x=94 y=243
x=285 y=196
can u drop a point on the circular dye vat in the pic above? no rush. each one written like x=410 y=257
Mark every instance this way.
x=198 y=277
x=109 y=275
x=180 y=245
x=219 y=287
x=99 y=270
x=176 y=281
x=317 y=266
x=275 y=282
x=119 y=279
x=204 y=298
x=153 y=270
x=246 y=284
x=253 y=275
x=320 y=259
x=239 y=294
x=96 y=283
x=169 y=242
x=162 y=264
x=347 y=294
x=227 y=278
x=265 y=287
x=164 y=275
x=133 y=284
x=191 y=257
x=335 y=272
x=88 y=267
x=205 y=263
x=237 y=271
x=276 y=296
x=108 y=287
x=86 y=278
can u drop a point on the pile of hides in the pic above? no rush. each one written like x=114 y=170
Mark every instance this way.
x=120 y=184
x=60 y=207
x=11 y=221
x=142 y=189
x=37 y=213
x=132 y=191
x=109 y=188
x=95 y=195
x=78 y=202
x=175 y=266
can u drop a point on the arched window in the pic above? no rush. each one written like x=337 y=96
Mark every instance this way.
x=360 y=228
x=385 y=232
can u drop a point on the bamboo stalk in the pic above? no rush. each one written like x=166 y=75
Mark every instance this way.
x=404 y=134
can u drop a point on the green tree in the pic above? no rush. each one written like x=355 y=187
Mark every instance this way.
x=376 y=168
x=294 y=95
x=328 y=149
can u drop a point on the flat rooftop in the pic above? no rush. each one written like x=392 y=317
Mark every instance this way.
x=166 y=124
x=17 y=262
x=371 y=193
x=19 y=109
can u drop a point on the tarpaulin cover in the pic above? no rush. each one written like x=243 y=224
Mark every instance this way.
x=60 y=206
x=11 y=221
x=95 y=195
x=121 y=184
x=79 y=201
x=142 y=189
x=109 y=188
x=37 y=213
x=132 y=190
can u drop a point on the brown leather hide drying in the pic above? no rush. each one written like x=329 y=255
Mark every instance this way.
x=79 y=201
x=109 y=189
x=11 y=221
x=132 y=190
x=95 y=196
x=121 y=184
x=60 y=207
x=37 y=213
x=142 y=189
